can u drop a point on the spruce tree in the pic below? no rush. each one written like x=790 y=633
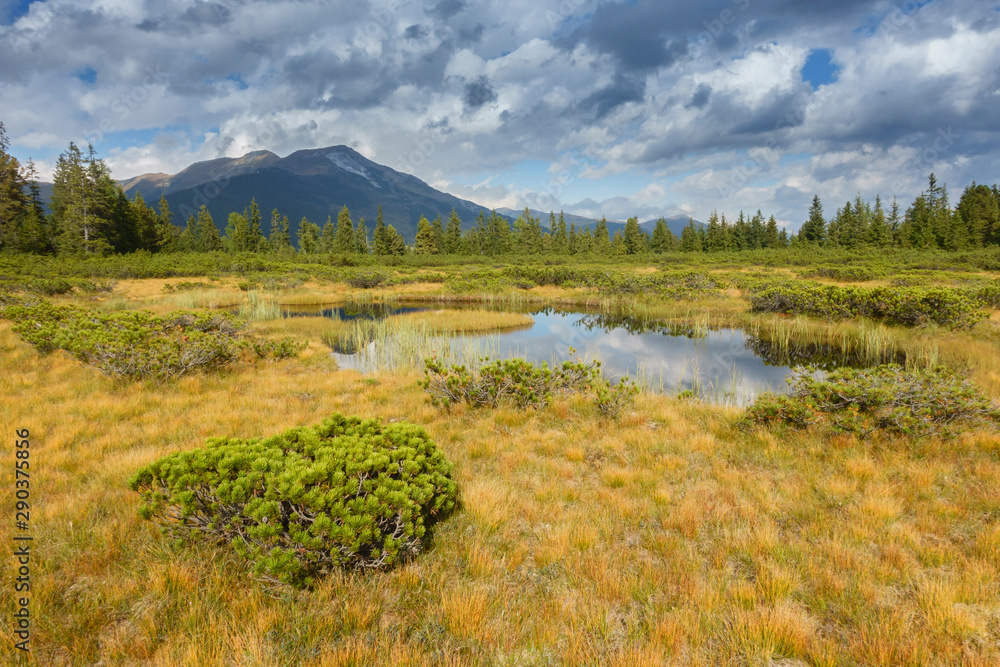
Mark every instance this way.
x=814 y=229
x=879 y=234
x=13 y=201
x=560 y=237
x=397 y=246
x=425 y=238
x=345 y=232
x=80 y=204
x=167 y=234
x=437 y=227
x=661 y=241
x=309 y=237
x=34 y=237
x=361 y=245
x=771 y=236
x=280 y=240
x=633 y=238
x=208 y=233
x=453 y=234
x=327 y=242
x=690 y=239
x=381 y=241
x=980 y=213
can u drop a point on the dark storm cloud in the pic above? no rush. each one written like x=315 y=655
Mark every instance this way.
x=416 y=32
x=478 y=93
x=700 y=97
x=446 y=9
x=623 y=90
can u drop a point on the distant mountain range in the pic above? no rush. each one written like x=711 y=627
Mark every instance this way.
x=312 y=184
x=317 y=183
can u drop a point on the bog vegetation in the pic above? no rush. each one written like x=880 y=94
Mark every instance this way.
x=850 y=521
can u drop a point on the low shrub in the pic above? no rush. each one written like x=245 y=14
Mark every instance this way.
x=951 y=308
x=366 y=279
x=886 y=399
x=849 y=273
x=135 y=344
x=612 y=400
x=522 y=384
x=344 y=494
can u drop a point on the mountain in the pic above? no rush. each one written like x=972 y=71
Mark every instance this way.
x=313 y=184
x=676 y=223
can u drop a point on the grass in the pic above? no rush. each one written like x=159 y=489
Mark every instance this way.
x=669 y=539
x=402 y=342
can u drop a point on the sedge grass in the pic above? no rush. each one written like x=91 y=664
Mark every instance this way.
x=671 y=538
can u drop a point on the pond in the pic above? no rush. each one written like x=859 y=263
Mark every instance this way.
x=718 y=364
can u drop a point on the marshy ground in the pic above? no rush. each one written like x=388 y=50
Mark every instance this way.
x=667 y=537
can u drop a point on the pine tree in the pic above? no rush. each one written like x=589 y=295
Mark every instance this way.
x=560 y=237
x=234 y=238
x=895 y=224
x=280 y=240
x=397 y=246
x=13 y=202
x=571 y=239
x=309 y=237
x=635 y=241
x=453 y=234
x=254 y=240
x=755 y=232
x=662 y=237
x=980 y=213
x=437 y=227
x=425 y=238
x=879 y=234
x=328 y=237
x=690 y=239
x=79 y=203
x=600 y=242
x=34 y=236
x=208 y=233
x=345 y=232
x=361 y=245
x=381 y=240
x=771 y=237
x=167 y=235
x=814 y=229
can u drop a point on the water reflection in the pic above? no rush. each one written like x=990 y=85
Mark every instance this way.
x=720 y=364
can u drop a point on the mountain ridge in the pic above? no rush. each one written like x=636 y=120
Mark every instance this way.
x=315 y=184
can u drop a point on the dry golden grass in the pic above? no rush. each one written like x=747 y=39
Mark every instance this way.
x=667 y=538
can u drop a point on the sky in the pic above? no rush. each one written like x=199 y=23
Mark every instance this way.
x=615 y=108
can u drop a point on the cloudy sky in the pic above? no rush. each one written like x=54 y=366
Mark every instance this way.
x=620 y=108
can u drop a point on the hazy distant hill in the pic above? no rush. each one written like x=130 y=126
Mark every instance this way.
x=310 y=183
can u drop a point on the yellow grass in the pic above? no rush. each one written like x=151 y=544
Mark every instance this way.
x=667 y=538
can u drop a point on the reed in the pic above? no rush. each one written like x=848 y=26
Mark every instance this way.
x=259 y=307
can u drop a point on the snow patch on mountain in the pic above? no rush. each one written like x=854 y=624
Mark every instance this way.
x=345 y=163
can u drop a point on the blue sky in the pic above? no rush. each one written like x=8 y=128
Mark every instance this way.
x=615 y=108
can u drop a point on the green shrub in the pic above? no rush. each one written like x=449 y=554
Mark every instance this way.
x=851 y=274
x=366 y=279
x=344 y=494
x=886 y=399
x=135 y=344
x=611 y=400
x=523 y=384
x=911 y=307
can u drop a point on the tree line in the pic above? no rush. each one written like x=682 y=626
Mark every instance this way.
x=90 y=214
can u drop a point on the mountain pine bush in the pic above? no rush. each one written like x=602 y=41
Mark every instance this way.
x=344 y=494
x=885 y=399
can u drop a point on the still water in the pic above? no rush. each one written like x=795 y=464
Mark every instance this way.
x=722 y=365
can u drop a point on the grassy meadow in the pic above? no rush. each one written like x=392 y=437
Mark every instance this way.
x=667 y=537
